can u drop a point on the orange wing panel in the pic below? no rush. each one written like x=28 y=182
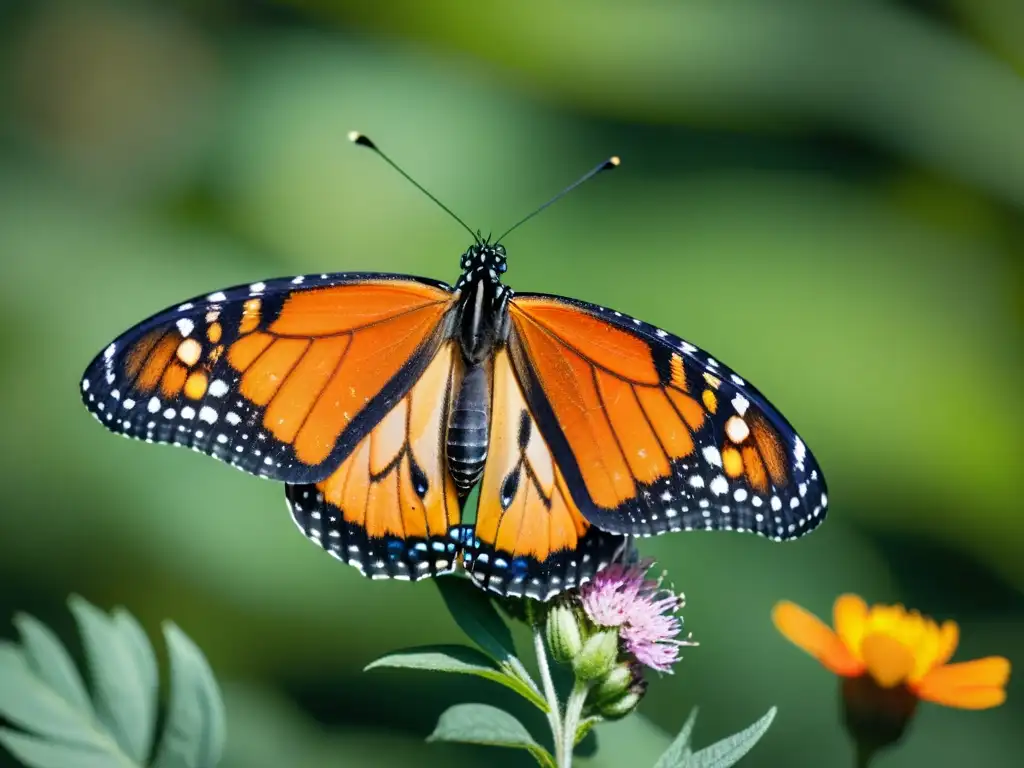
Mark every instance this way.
x=568 y=383
x=266 y=374
x=388 y=439
x=244 y=352
x=376 y=487
x=383 y=507
x=429 y=404
x=601 y=343
x=539 y=518
x=173 y=380
x=375 y=355
x=530 y=537
x=732 y=462
x=140 y=351
x=689 y=408
x=156 y=362
x=196 y=385
x=754 y=467
x=414 y=513
x=345 y=308
x=647 y=461
x=771 y=451
x=609 y=431
x=288 y=411
x=673 y=434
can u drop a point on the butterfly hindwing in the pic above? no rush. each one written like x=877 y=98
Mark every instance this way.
x=654 y=435
x=281 y=379
x=391 y=505
x=529 y=538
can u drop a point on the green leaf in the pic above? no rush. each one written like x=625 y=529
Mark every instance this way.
x=195 y=730
x=679 y=750
x=39 y=753
x=120 y=696
x=585 y=726
x=42 y=693
x=476 y=615
x=460 y=660
x=474 y=611
x=29 y=702
x=484 y=724
x=728 y=751
x=49 y=660
x=145 y=659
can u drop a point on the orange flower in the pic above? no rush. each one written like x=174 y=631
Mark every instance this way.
x=896 y=647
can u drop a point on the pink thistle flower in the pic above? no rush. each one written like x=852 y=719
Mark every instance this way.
x=621 y=596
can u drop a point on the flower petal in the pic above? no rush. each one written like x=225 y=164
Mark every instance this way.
x=949 y=638
x=849 y=617
x=965 y=698
x=950 y=681
x=807 y=631
x=889 y=661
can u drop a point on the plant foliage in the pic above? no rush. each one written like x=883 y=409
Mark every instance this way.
x=60 y=725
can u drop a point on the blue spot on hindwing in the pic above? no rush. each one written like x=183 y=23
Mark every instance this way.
x=396 y=548
x=518 y=568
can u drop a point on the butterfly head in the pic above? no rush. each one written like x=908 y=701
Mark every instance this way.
x=482 y=261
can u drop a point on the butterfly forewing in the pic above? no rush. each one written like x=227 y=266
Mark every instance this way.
x=652 y=434
x=390 y=507
x=529 y=538
x=281 y=379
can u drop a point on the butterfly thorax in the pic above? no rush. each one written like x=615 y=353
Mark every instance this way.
x=483 y=302
x=482 y=326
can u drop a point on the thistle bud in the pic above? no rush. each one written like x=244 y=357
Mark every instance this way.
x=620 y=707
x=598 y=655
x=624 y=677
x=562 y=631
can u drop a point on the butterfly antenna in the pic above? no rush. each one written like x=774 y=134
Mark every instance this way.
x=364 y=141
x=607 y=165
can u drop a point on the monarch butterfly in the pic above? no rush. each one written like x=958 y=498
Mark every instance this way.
x=381 y=400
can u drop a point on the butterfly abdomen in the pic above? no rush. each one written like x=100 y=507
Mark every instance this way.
x=468 y=428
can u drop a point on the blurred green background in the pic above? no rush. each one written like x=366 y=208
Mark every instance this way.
x=826 y=195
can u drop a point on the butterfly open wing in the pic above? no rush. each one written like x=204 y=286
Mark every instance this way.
x=391 y=505
x=281 y=379
x=651 y=434
x=529 y=538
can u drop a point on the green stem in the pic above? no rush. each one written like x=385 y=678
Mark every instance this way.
x=554 y=705
x=573 y=711
x=864 y=755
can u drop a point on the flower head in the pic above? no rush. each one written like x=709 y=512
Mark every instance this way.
x=896 y=647
x=622 y=597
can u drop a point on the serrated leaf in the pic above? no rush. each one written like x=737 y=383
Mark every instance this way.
x=458 y=659
x=730 y=750
x=484 y=724
x=679 y=750
x=38 y=753
x=476 y=615
x=27 y=701
x=120 y=697
x=195 y=729
x=50 y=661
